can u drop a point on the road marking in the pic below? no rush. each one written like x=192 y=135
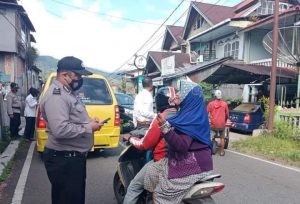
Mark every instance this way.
x=19 y=191
x=266 y=161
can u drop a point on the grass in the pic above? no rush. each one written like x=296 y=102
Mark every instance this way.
x=7 y=171
x=272 y=148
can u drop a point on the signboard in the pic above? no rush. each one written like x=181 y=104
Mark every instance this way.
x=140 y=62
x=168 y=65
x=158 y=82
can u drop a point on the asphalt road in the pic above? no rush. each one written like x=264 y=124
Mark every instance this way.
x=247 y=181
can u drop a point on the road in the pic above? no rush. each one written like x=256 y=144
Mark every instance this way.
x=247 y=180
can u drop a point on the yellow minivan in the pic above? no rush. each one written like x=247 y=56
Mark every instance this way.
x=100 y=102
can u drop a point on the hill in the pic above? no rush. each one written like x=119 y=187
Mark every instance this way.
x=48 y=64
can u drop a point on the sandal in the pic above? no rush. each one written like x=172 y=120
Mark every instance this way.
x=222 y=153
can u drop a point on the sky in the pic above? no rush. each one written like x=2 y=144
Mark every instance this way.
x=96 y=30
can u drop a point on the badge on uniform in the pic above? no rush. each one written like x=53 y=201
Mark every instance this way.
x=67 y=89
x=56 y=91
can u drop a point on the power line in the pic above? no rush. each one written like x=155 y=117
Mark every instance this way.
x=104 y=14
x=148 y=38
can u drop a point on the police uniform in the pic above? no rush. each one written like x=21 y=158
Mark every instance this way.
x=14 y=108
x=70 y=137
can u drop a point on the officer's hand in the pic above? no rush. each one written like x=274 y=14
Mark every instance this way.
x=11 y=116
x=96 y=119
x=95 y=125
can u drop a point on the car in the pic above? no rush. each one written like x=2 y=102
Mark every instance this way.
x=125 y=103
x=100 y=102
x=247 y=116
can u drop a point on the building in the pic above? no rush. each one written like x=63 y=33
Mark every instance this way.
x=225 y=44
x=15 y=46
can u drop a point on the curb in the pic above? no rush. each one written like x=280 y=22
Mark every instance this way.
x=8 y=154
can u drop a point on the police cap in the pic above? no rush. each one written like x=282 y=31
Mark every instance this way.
x=72 y=64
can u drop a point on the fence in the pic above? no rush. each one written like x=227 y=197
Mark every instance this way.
x=292 y=118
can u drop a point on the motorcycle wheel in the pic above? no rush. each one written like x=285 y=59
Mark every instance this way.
x=119 y=189
x=214 y=147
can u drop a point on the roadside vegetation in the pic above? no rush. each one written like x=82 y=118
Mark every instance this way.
x=5 y=140
x=282 y=144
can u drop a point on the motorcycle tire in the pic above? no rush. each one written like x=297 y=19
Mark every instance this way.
x=214 y=147
x=119 y=189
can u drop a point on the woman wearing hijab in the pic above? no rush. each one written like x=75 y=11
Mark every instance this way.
x=30 y=113
x=189 y=148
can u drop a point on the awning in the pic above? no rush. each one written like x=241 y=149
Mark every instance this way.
x=233 y=73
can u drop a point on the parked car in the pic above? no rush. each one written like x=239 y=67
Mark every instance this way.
x=125 y=103
x=100 y=102
x=247 y=116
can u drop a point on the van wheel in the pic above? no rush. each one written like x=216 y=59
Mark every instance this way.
x=119 y=189
x=214 y=147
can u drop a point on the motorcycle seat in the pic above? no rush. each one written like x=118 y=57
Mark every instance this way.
x=209 y=178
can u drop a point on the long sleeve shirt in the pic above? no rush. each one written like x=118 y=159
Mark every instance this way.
x=143 y=107
x=186 y=156
x=30 y=106
x=153 y=139
x=218 y=113
x=13 y=103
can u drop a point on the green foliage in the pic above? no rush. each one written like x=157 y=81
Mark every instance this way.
x=32 y=54
x=266 y=102
x=7 y=171
x=283 y=130
x=271 y=147
x=207 y=90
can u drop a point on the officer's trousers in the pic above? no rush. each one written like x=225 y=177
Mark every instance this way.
x=14 y=125
x=67 y=175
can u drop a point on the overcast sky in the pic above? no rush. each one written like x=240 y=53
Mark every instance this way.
x=95 y=30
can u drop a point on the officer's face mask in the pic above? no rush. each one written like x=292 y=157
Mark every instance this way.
x=75 y=84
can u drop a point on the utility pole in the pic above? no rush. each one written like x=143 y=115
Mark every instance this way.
x=274 y=66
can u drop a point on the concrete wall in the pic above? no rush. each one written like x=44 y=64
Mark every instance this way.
x=7 y=31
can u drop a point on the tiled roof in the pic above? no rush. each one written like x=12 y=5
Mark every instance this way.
x=180 y=58
x=176 y=32
x=215 y=13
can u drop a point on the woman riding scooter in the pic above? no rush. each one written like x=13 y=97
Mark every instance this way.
x=189 y=148
x=152 y=140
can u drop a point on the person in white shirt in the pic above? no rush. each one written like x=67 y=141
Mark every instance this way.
x=143 y=107
x=30 y=113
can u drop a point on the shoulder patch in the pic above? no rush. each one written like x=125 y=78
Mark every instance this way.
x=56 y=91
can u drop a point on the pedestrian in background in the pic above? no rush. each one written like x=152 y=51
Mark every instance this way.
x=30 y=113
x=70 y=133
x=143 y=108
x=14 y=110
x=218 y=114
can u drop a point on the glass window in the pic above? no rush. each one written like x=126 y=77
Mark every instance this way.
x=124 y=99
x=227 y=49
x=235 y=50
x=94 y=92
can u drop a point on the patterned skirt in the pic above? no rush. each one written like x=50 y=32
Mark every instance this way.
x=168 y=191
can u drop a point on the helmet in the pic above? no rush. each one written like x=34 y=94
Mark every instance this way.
x=162 y=98
x=218 y=94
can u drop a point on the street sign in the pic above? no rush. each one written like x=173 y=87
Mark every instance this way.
x=140 y=62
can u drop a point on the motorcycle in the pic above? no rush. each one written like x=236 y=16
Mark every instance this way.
x=131 y=160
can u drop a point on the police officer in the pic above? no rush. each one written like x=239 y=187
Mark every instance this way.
x=13 y=110
x=70 y=133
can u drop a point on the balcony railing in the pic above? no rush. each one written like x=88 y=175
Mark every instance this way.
x=268 y=62
x=208 y=55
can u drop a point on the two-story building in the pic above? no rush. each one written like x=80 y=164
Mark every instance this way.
x=15 y=46
x=225 y=43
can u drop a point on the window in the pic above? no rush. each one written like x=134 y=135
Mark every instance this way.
x=235 y=50
x=199 y=22
x=94 y=92
x=227 y=49
x=232 y=49
x=267 y=7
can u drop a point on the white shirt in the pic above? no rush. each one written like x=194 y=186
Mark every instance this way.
x=143 y=107
x=30 y=106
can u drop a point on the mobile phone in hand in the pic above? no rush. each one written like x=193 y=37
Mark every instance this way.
x=105 y=120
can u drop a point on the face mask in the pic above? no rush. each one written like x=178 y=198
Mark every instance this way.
x=78 y=82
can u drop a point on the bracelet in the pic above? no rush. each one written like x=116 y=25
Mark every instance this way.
x=165 y=128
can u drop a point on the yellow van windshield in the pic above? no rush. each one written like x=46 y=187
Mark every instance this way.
x=94 y=91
